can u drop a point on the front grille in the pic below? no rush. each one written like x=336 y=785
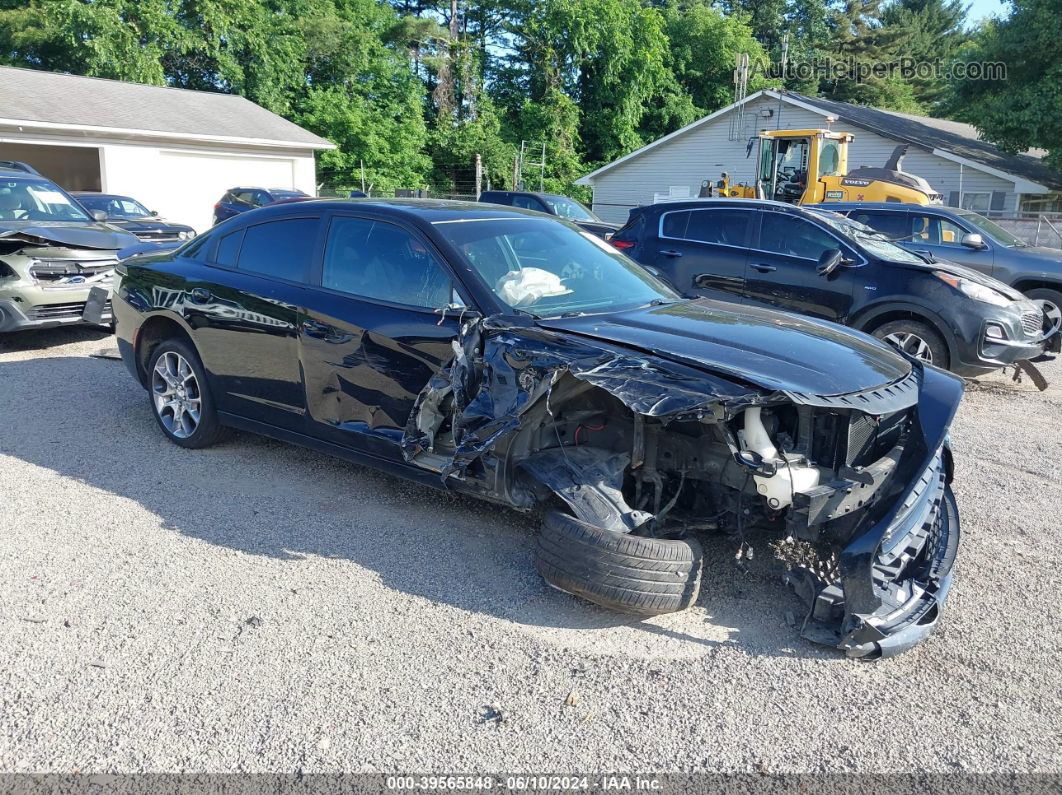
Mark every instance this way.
x=1032 y=323
x=57 y=270
x=62 y=311
x=158 y=236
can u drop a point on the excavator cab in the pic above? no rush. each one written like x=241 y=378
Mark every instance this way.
x=811 y=167
x=792 y=163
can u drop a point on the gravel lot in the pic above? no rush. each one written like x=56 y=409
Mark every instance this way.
x=259 y=607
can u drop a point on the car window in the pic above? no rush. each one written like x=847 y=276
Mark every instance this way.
x=718 y=226
x=229 y=249
x=936 y=231
x=381 y=260
x=894 y=226
x=36 y=200
x=281 y=249
x=528 y=203
x=786 y=234
x=244 y=197
x=569 y=208
x=674 y=224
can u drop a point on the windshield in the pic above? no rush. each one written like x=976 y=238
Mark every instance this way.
x=872 y=241
x=569 y=208
x=546 y=268
x=115 y=206
x=993 y=230
x=36 y=200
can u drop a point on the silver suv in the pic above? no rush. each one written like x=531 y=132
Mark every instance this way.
x=52 y=253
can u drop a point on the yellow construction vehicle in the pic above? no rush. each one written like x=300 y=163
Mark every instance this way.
x=811 y=167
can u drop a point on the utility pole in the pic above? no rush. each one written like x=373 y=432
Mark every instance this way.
x=479 y=175
x=541 y=163
x=362 y=175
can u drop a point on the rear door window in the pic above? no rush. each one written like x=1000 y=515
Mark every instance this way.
x=528 y=203
x=726 y=227
x=936 y=231
x=281 y=249
x=383 y=261
x=674 y=224
x=229 y=249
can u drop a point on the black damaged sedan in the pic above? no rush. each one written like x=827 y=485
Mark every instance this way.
x=518 y=359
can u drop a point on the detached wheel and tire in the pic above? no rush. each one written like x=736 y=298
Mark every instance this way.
x=180 y=396
x=643 y=576
x=916 y=339
x=1051 y=302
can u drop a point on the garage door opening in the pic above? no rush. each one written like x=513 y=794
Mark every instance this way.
x=70 y=167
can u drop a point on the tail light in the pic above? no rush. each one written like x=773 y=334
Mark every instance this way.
x=622 y=244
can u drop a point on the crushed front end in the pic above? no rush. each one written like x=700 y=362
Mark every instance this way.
x=850 y=488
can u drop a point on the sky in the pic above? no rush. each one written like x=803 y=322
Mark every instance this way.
x=985 y=8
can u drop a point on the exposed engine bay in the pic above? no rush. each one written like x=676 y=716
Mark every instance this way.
x=629 y=445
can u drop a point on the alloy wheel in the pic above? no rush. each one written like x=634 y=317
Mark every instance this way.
x=911 y=344
x=176 y=394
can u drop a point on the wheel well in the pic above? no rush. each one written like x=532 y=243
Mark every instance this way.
x=152 y=333
x=1031 y=284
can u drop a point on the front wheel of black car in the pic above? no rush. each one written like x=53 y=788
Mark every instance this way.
x=915 y=338
x=180 y=397
x=631 y=574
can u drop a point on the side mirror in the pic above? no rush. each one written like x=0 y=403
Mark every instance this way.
x=155 y=213
x=973 y=240
x=829 y=261
x=99 y=215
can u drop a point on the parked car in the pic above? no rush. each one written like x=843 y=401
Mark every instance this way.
x=552 y=204
x=127 y=213
x=525 y=362
x=52 y=252
x=972 y=240
x=240 y=200
x=822 y=264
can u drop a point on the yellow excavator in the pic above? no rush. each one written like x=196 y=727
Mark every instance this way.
x=811 y=167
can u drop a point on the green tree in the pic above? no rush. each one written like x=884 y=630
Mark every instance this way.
x=1022 y=109
x=932 y=32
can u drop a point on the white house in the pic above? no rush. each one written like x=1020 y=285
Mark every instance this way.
x=176 y=151
x=969 y=172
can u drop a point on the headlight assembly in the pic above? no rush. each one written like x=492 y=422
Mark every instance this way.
x=977 y=292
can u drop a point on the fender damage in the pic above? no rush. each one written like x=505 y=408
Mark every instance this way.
x=854 y=485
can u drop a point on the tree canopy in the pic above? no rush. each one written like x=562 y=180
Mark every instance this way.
x=410 y=91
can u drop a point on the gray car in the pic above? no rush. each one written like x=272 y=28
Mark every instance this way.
x=963 y=236
x=52 y=253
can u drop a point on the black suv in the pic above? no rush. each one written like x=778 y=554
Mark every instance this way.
x=822 y=264
x=969 y=239
x=552 y=204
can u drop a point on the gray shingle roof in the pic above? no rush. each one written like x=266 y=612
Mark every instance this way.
x=31 y=95
x=951 y=136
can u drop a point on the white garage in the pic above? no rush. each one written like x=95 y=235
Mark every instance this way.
x=175 y=151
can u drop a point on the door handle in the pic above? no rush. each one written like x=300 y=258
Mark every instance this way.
x=200 y=295
x=671 y=253
x=764 y=268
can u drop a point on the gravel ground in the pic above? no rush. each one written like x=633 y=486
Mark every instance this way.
x=258 y=607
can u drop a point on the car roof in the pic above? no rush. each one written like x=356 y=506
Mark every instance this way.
x=98 y=195
x=751 y=204
x=7 y=173
x=429 y=210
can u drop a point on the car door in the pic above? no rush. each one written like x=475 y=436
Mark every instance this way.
x=941 y=237
x=703 y=251
x=782 y=269
x=244 y=310
x=374 y=331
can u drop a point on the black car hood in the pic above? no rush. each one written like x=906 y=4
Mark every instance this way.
x=774 y=350
x=73 y=235
x=147 y=225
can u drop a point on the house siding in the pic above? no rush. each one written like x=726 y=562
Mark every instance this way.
x=719 y=145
